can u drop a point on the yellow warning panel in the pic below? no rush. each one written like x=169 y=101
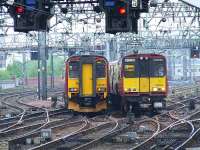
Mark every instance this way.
x=158 y=84
x=131 y=84
x=144 y=85
x=87 y=83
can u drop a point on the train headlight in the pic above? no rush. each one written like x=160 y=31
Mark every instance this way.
x=130 y=90
x=155 y=89
x=133 y=90
x=101 y=89
x=73 y=89
x=158 y=89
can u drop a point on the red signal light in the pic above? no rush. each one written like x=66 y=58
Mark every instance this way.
x=19 y=9
x=122 y=11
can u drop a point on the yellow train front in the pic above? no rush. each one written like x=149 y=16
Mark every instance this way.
x=143 y=82
x=87 y=87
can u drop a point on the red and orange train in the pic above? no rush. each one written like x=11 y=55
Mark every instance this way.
x=140 y=80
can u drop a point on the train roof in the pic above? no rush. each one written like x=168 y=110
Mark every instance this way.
x=149 y=55
x=145 y=55
x=78 y=56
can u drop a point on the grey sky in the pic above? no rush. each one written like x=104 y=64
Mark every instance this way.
x=192 y=2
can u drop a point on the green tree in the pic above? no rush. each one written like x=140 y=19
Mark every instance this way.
x=58 y=66
x=4 y=75
x=31 y=67
x=15 y=69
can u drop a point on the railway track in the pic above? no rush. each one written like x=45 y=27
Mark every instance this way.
x=19 y=140
x=171 y=125
x=95 y=133
x=15 y=102
x=34 y=118
x=19 y=99
x=25 y=117
x=12 y=107
x=171 y=137
x=119 y=139
x=127 y=137
x=193 y=140
x=58 y=129
x=73 y=134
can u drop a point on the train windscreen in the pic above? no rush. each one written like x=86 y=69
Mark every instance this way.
x=157 y=67
x=100 y=69
x=130 y=68
x=144 y=67
x=73 y=69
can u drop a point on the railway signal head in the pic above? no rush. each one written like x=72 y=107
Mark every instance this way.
x=31 y=15
x=19 y=9
x=195 y=53
x=117 y=16
x=122 y=7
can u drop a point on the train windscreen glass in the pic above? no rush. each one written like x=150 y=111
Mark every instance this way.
x=157 y=67
x=130 y=68
x=100 y=69
x=73 y=69
x=144 y=67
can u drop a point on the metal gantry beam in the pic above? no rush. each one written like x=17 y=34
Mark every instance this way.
x=168 y=22
x=171 y=18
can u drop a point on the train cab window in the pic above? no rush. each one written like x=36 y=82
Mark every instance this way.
x=144 y=67
x=100 y=69
x=73 y=69
x=157 y=67
x=130 y=68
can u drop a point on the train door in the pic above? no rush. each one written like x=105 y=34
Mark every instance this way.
x=87 y=80
x=144 y=75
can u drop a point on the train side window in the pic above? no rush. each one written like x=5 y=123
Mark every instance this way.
x=157 y=67
x=73 y=69
x=100 y=70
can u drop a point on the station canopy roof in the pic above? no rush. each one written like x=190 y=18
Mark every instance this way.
x=195 y=3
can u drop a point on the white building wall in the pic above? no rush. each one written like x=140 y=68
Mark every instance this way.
x=181 y=66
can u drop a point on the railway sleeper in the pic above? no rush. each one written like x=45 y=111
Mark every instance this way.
x=168 y=141
x=164 y=141
x=72 y=143
x=168 y=146
x=81 y=140
x=155 y=147
x=173 y=136
x=122 y=139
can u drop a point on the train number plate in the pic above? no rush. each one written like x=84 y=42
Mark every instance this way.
x=4 y=145
x=158 y=105
x=129 y=60
x=87 y=102
x=87 y=99
x=144 y=105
